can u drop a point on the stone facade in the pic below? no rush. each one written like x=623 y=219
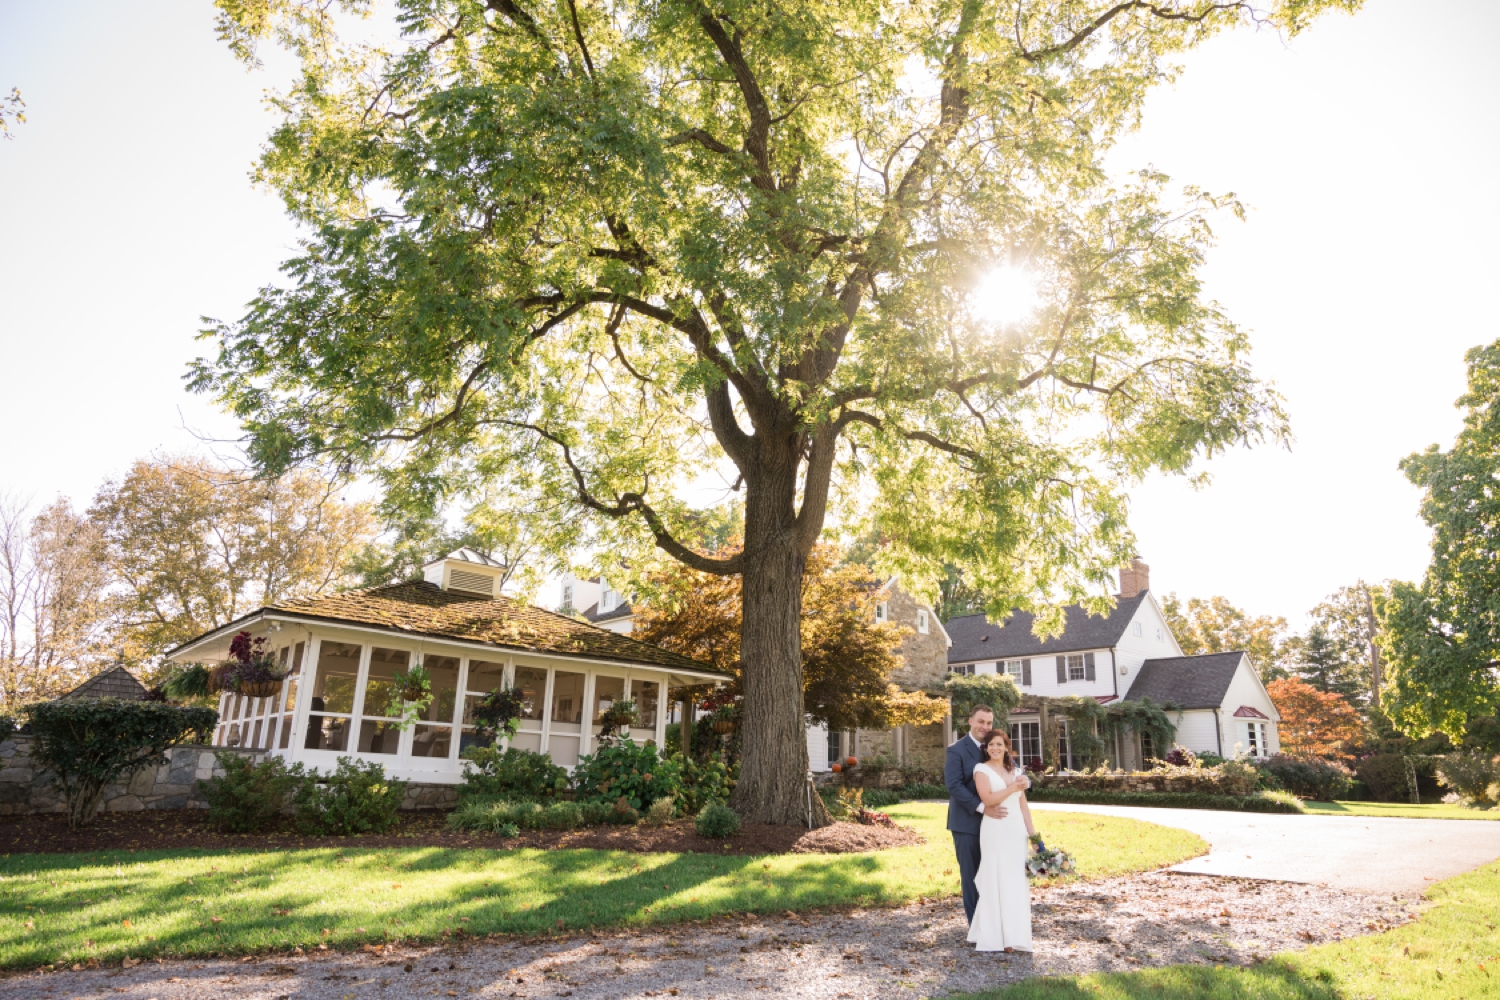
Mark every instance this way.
x=924 y=657
x=26 y=789
x=924 y=666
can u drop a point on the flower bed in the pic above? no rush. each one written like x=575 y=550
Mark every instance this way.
x=1231 y=778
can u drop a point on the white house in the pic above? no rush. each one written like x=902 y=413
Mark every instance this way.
x=342 y=651
x=1128 y=654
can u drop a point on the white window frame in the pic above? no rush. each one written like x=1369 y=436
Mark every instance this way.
x=1077 y=668
x=1015 y=669
x=1138 y=629
x=1256 y=739
x=967 y=669
x=882 y=612
x=1160 y=637
x=922 y=621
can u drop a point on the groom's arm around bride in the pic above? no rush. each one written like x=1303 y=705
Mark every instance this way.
x=965 y=809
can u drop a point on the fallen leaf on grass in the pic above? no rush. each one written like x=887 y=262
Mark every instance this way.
x=217 y=920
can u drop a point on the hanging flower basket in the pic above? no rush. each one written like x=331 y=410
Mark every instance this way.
x=260 y=689
x=252 y=671
x=723 y=726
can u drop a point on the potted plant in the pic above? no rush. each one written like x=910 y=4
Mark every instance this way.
x=618 y=720
x=411 y=693
x=251 y=669
x=725 y=719
x=499 y=712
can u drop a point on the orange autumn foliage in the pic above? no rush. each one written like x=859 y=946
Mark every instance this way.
x=1314 y=723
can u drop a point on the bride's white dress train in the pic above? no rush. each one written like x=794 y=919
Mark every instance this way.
x=1003 y=917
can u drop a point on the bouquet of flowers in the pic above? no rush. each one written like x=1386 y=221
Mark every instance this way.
x=1047 y=863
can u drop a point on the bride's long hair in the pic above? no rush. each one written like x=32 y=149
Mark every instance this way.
x=1006 y=757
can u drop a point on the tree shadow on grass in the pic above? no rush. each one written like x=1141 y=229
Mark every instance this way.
x=145 y=904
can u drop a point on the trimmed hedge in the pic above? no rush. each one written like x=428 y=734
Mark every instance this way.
x=1265 y=802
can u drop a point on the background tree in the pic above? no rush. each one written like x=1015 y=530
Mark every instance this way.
x=1441 y=638
x=847 y=656
x=52 y=579
x=192 y=545
x=1350 y=625
x=1323 y=664
x=615 y=248
x=1314 y=723
x=1216 y=626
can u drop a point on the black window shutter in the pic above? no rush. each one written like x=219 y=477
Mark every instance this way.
x=1088 y=666
x=1026 y=673
x=1062 y=670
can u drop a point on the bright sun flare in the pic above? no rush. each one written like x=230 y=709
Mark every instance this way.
x=1006 y=295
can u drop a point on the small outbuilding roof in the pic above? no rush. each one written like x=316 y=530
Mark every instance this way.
x=1187 y=681
x=116 y=682
x=977 y=638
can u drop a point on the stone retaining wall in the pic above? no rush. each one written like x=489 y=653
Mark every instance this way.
x=25 y=788
x=1206 y=780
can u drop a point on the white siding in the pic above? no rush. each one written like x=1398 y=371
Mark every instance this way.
x=1246 y=690
x=817 y=747
x=1134 y=650
x=624 y=626
x=1195 y=730
x=1044 y=675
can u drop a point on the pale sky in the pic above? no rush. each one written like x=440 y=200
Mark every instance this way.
x=1366 y=149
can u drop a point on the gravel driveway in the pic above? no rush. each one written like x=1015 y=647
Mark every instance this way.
x=1364 y=853
x=918 y=950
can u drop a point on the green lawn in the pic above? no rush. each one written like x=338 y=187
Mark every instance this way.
x=1451 y=952
x=59 y=907
x=1429 y=810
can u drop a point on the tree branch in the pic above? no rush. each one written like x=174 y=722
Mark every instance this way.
x=1165 y=13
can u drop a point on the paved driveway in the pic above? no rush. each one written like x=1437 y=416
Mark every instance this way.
x=1363 y=853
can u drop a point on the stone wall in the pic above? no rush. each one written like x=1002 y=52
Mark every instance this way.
x=1232 y=779
x=25 y=788
x=924 y=657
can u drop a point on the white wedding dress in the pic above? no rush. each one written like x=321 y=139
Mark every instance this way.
x=1003 y=918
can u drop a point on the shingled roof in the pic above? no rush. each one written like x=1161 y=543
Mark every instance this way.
x=116 y=682
x=593 y=614
x=976 y=638
x=1187 y=681
x=425 y=609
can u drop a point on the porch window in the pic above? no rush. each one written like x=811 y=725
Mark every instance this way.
x=607 y=691
x=378 y=733
x=331 y=699
x=567 y=717
x=432 y=736
x=484 y=676
x=647 y=698
x=289 y=710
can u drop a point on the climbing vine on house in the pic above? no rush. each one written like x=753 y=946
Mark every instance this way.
x=1093 y=728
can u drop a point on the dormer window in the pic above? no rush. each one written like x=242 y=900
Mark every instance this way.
x=922 y=620
x=608 y=601
x=882 y=613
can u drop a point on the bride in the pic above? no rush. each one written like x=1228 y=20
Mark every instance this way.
x=1002 y=921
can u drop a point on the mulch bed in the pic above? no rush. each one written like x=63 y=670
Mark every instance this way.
x=178 y=829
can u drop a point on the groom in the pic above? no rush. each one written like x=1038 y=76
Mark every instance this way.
x=965 y=810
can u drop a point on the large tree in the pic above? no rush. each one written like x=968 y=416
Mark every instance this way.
x=617 y=248
x=1442 y=638
x=1350 y=636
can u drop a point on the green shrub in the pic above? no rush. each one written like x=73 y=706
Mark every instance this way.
x=880 y=798
x=624 y=814
x=1305 y=777
x=89 y=743
x=596 y=813
x=1271 y=802
x=8 y=728
x=661 y=812
x=923 y=790
x=716 y=822
x=1474 y=776
x=249 y=798
x=560 y=816
x=1384 y=774
x=356 y=798
x=511 y=774
x=627 y=770
x=706 y=782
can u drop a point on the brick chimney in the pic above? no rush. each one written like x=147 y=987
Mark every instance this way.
x=1134 y=578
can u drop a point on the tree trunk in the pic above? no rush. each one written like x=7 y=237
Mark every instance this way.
x=773 y=781
x=1372 y=626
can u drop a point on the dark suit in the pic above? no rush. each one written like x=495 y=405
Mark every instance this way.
x=964 y=814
